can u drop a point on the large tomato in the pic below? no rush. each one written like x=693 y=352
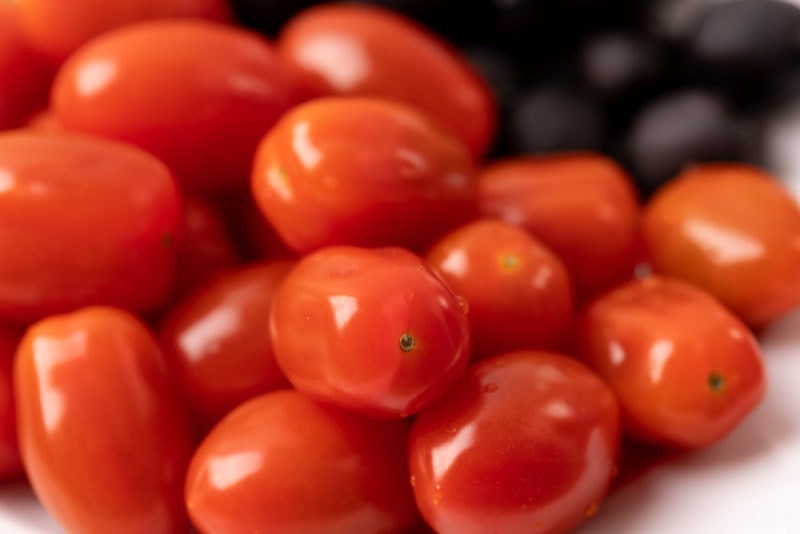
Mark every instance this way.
x=198 y=95
x=83 y=221
x=526 y=442
x=103 y=436
x=358 y=50
x=362 y=171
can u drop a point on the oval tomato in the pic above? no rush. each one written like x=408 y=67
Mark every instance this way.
x=218 y=343
x=525 y=442
x=685 y=369
x=362 y=171
x=733 y=230
x=519 y=293
x=10 y=462
x=89 y=221
x=583 y=206
x=196 y=94
x=104 y=439
x=57 y=28
x=358 y=50
x=284 y=463
x=373 y=330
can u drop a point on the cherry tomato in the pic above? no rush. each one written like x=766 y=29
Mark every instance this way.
x=104 y=439
x=10 y=462
x=733 y=230
x=89 y=221
x=519 y=293
x=368 y=51
x=583 y=206
x=362 y=171
x=206 y=249
x=526 y=442
x=373 y=330
x=198 y=95
x=284 y=463
x=685 y=369
x=58 y=28
x=218 y=341
x=24 y=75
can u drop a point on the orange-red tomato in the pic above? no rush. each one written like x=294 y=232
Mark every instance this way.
x=57 y=28
x=83 y=221
x=583 y=206
x=218 y=342
x=103 y=436
x=526 y=442
x=519 y=293
x=362 y=171
x=372 y=330
x=685 y=369
x=369 y=51
x=284 y=463
x=198 y=95
x=10 y=462
x=733 y=230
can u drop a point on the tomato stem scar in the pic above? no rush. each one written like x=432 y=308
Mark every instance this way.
x=407 y=342
x=716 y=382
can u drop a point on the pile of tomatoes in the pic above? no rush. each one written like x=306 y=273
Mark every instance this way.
x=275 y=285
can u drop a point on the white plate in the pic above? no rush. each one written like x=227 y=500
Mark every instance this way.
x=748 y=484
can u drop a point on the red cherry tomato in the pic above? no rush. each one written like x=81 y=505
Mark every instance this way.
x=89 y=221
x=284 y=463
x=10 y=462
x=733 y=230
x=368 y=51
x=104 y=438
x=206 y=249
x=24 y=75
x=58 y=28
x=362 y=171
x=519 y=293
x=526 y=442
x=218 y=341
x=373 y=330
x=686 y=370
x=196 y=94
x=583 y=206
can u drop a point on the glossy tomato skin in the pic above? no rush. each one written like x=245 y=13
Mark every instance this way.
x=218 y=343
x=526 y=442
x=10 y=462
x=358 y=50
x=519 y=293
x=372 y=330
x=90 y=221
x=284 y=463
x=733 y=230
x=581 y=205
x=198 y=95
x=56 y=28
x=362 y=171
x=685 y=369
x=104 y=438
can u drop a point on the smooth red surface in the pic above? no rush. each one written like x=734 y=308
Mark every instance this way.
x=583 y=206
x=519 y=293
x=284 y=463
x=526 y=442
x=362 y=171
x=197 y=94
x=57 y=28
x=103 y=436
x=685 y=369
x=83 y=221
x=733 y=230
x=359 y=50
x=10 y=461
x=372 y=330
x=218 y=343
